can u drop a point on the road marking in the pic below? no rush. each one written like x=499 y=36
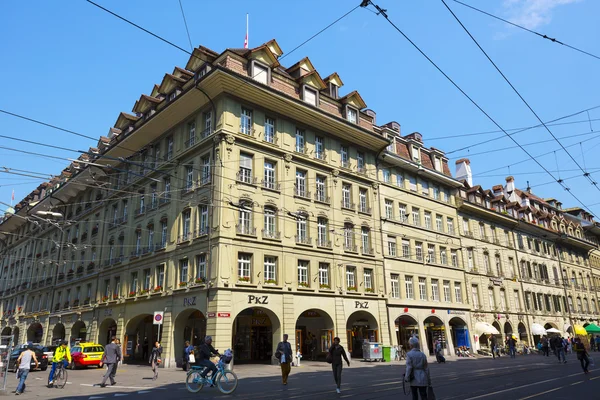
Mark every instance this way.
x=143 y=391
x=120 y=394
x=119 y=387
x=598 y=377
x=95 y=397
x=542 y=393
x=576 y=383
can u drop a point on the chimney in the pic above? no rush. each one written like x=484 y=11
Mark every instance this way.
x=372 y=114
x=498 y=190
x=415 y=136
x=393 y=126
x=510 y=184
x=463 y=171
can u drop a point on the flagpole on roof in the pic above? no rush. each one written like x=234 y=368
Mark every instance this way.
x=246 y=41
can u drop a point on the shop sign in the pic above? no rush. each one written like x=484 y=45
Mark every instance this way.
x=252 y=299
x=311 y=314
x=189 y=301
x=211 y=314
x=108 y=312
x=496 y=281
x=479 y=315
x=224 y=315
x=361 y=304
x=456 y=312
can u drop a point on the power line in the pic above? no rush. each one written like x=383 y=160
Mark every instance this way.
x=382 y=12
x=585 y=173
x=48 y=125
x=186 y=25
x=554 y=40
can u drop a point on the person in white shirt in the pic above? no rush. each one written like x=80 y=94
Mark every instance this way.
x=24 y=363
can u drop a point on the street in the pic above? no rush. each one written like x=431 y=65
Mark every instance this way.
x=525 y=377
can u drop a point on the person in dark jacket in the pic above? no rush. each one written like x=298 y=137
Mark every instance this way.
x=111 y=357
x=336 y=352
x=155 y=359
x=206 y=352
x=582 y=355
x=284 y=355
x=494 y=344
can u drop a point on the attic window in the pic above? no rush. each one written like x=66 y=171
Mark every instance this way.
x=351 y=115
x=202 y=71
x=415 y=153
x=333 y=90
x=260 y=73
x=310 y=96
x=172 y=95
x=437 y=164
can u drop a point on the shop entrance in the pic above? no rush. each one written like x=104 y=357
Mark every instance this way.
x=459 y=332
x=108 y=329
x=406 y=327
x=434 y=330
x=35 y=333
x=190 y=325
x=140 y=336
x=314 y=334
x=254 y=330
x=58 y=333
x=508 y=330
x=360 y=328
x=78 y=332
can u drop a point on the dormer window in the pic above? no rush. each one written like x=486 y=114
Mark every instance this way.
x=416 y=154
x=260 y=73
x=437 y=164
x=202 y=71
x=310 y=95
x=352 y=115
x=333 y=90
x=172 y=95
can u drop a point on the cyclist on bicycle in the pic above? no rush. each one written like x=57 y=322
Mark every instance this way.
x=206 y=352
x=62 y=354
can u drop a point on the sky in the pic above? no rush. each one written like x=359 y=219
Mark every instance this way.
x=72 y=65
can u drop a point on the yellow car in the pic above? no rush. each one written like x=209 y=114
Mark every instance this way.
x=86 y=354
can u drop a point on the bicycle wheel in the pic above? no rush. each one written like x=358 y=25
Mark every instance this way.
x=194 y=382
x=61 y=378
x=227 y=382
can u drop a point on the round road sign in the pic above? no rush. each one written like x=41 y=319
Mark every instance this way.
x=158 y=317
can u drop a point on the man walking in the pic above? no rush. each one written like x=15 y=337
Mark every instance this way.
x=284 y=354
x=112 y=355
x=24 y=363
x=560 y=350
x=512 y=344
x=494 y=344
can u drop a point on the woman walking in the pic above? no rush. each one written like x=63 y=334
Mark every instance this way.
x=336 y=352
x=155 y=359
x=417 y=372
x=582 y=355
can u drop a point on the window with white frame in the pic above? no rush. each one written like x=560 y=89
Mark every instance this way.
x=164 y=231
x=133 y=283
x=310 y=96
x=415 y=153
x=419 y=251
x=301 y=183
x=246 y=122
x=360 y=162
x=269 y=130
x=436 y=192
x=348 y=236
x=201 y=266
x=300 y=140
x=470 y=259
x=351 y=278
x=368 y=280
x=389 y=209
x=205 y=161
x=450 y=225
x=474 y=296
x=269 y=176
x=435 y=290
x=408 y=286
x=321 y=188
x=245 y=172
x=446 y=290
x=422 y=288
x=391 y=241
x=244 y=266
x=319 y=148
x=431 y=254
x=498 y=265
x=270 y=269
x=322 y=232
x=402 y=212
x=183 y=271
x=425 y=188
x=405 y=248
x=395 y=286
x=443 y=256
x=352 y=115
x=260 y=73
x=301 y=229
x=486 y=263
x=416 y=216
x=412 y=183
x=365 y=239
x=439 y=223
x=363 y=202
x=189 y=177
x=186 y=219
x=344 y=157
x=346 y=195
x=454 y=258
x=387 y=176
x=491 y=298
x=324 y=275
x=203 y=219
x=427 y=218
x=458 y=292
x=503 y=300
x=245 y=219
x=269 y=223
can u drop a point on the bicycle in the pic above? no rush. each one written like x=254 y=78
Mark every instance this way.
x=226 y=381
x=60 y=376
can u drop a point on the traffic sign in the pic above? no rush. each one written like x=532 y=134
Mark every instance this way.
x=211 y=314
x=223 y=315
x=158 y=317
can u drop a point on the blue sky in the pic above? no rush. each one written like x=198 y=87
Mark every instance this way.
x=72 y=65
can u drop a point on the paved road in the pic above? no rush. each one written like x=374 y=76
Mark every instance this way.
x=526 y=377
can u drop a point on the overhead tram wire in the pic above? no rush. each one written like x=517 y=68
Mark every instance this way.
x=382 y=12
x=585 y=173
x=554 y=40
x=186 y=25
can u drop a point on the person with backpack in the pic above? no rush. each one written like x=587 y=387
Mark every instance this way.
x=155 y=359
x=334 y=357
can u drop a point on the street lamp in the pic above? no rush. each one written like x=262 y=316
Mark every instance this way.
x=49 y=214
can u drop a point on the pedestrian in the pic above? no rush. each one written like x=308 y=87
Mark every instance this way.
x=560 y=349
x=118 y=343
x=24 y=364
x=417 y=371
x=597 y=340
x=582 y=355
x=284 y=354
x=545 y=346
x=494 y=344
x=111 y=357
x=188 y=355
x=512 y=346
x=155 y=359
x=336 y=352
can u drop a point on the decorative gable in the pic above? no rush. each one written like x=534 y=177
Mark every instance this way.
x=354 y=99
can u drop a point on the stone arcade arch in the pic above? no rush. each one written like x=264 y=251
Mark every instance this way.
x=256 y=332
x=35 y=333
x=314 y=334
x=406 y=327
x=78 y=332
x=58 y=333
x=434 y=330
x=459 y=332
x=107 y=329
x=361 y=326
x=139 y=339
x=190 y=324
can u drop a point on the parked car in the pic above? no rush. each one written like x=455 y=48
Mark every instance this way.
x=39 y=354
x=86 y=355
x=49 y=351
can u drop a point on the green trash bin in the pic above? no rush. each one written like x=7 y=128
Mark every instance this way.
x=387 y=354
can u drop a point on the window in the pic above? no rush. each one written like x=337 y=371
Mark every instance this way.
x=447 y=296
x=344 y=159
x=163 y=234
x=301 y=183
x=368 y=280
x=269 y=177
x=437 y=164
x=389 y=209
x=183 y=272
x=408 y=284
x=427 y=218
x=415 y=153
x=419 y=251
x=431 y=254
x=300 y=147
x=450 y=225
x=351 y=278
x=160 y=276
x=203 y=219
x=245 y=220
x=319 y=148
x=138 y=243
x=189 y=177
x=260 y=73
x=207 y=124
x=439 y=223
x=321 y=189
x=269 y=220
x=503 y=300
x=363 y=202
x=147 y=279
x=474 y=295
x=360 y=163
x=454 y=258
x=395 y=287
x=405 y=248
x=134 y=283
x=391 y=246
x=244 y=261
x=412 y=183
x=324 y=276
x=466 y=230
x=416 y=216
x=205 y=162
x=191 y=134
x=349 y=237
x=301 y=230
x=245 y=173
x=310 y=96
x=117 y=287
x=470 y=259
x=186 y=218
x=270 y=269
x=346 y=195
x=365 y=240
x=425 y=188
x=436 y=192
x=399 y=179
x=486 y=263
x=352 y=115
x=387 y=176
x=482 y=234
x=269 y=130
x=402 y=212
x=246 y=122
x=517 y=301
x=498 y=265
x=422 y=289
x=322 y=232
x=169 y=148
x=435 y=290
x=528 y=300
x=167 y=188
x=201 y=266
x=491 y=298
x=443 y=256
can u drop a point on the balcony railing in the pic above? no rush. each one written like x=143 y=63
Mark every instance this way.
x=190 y=142
x=322 y=242
x=345 y=164
x=350 y=247
x=184 y=238
x=361 y=170
x=320 y=155
x=348 y=205
x=301 y=192
x=140 y=211
x=322 y=197
x=303 y=240
x=137 y=252
x=270 y=184
x=364 y=209
x=160 y=245
x=269 y=234
x=246 y=177
x=245 y=230
x=166 y=199
x=202 y=231
x=368 y=251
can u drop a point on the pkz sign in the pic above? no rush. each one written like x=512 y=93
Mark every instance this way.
x=189 y=301
x=252 y=299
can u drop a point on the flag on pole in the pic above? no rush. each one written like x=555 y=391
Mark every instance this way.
x=12 y=198
x=246 y=40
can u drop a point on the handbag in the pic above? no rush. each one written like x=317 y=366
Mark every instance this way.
x=192 y=358
x=430 y=393
x=329 y=358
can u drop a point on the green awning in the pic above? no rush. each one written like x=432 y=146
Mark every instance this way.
x=592 y=328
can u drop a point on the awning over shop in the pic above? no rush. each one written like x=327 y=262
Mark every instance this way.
x=537 y=329
x=483 y=328
x=580 y=330
x=553 y=330
x=592 y=328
